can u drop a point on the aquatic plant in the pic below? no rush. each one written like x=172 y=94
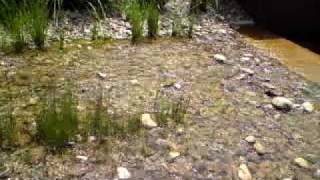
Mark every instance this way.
x=136 y=15
x=96 y=119
x=8 y=123
x=170 y=110
x=7 y=128
x=153 y=19
x=99 y=14
x=104 y=124
x=192 y=20
x=13 y=18
x=58 y=121
x=39 y=17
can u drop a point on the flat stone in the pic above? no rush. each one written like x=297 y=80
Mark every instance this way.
x=250 y=139
x=244 y=173
x=307 y=107
x=247 y=70
x=147 y=121
x=301 y=162
x=268 y=85
x=282 y=103
x=123 y=173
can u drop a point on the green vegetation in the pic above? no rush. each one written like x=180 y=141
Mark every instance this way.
x=192 y=21
x=22 y=18
x=103 y=124
x=99 y=14
x=58 y=121
x=13 y=19
x=136 y=15
x=8 y=128
x=170 y=110
x=39 y=17
x=153 y=15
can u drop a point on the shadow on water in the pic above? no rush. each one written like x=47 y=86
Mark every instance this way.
x=301 y=56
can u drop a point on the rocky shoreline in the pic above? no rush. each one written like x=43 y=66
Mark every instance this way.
x=249 y=116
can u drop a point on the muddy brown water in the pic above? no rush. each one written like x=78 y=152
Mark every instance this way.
x=295 y=56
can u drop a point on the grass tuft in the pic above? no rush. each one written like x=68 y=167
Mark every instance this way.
x=39 y=17
x=170 y=110
x=135 y=12
x=153 y=15
x=58 y=121
x=7 y=128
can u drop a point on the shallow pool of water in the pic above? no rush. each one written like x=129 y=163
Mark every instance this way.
x=298 y=58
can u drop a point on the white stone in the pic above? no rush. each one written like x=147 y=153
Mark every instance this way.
x=250 y=139
x=282 y=103
x=248 y=55
x=244 y=173
x=177 y=86
x=259 y=148
x=89 y=48
x=301 y=162
x=147 y=121
x=92 y=139
x=174 y=154
x=102 y=75
x=220 y=58
x=134 y=82
x=308 y=107
x=244 y=59
x=123 y=173
x=82 y=158
x=248 y=71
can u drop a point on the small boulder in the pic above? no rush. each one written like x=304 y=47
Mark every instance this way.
x=307 y=107
x=282 y=103
x=301 y=162
x=123 y=173
x=147 y=121
x=244 y=173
